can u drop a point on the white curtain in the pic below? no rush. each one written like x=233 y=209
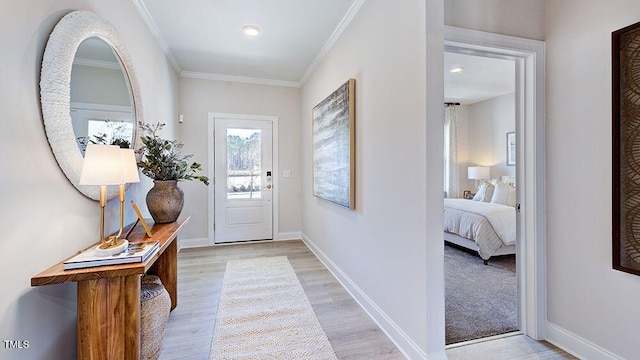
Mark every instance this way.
x=451 y=176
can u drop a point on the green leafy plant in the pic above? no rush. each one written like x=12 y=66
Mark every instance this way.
x=161 y=159
x=101 y=138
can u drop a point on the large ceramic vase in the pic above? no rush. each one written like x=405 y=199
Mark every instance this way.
x=165 y=201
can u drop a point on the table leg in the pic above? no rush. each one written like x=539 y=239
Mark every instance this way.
x=166 y=268
x=109 y=318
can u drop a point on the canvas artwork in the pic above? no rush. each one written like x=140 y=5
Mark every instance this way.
x=626 y=149
x=334 y=146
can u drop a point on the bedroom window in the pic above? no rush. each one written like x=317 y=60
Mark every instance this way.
x=451 y=178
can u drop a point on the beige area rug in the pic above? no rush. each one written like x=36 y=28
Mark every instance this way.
x=264 y=313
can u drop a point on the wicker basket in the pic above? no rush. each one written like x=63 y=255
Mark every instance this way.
x=155 y=304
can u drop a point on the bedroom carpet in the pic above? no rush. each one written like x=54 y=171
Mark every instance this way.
x=480 y=300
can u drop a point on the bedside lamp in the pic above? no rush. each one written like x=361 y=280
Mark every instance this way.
x=108 y=165
x=478 y=173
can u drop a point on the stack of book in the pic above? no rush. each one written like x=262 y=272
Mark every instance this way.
x=136 y=252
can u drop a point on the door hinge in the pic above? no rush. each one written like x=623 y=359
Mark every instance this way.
x=517 y=207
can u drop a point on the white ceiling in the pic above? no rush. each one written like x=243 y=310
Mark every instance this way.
x=204 y=38
x=482 y=78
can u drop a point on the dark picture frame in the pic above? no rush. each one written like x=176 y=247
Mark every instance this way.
x=333 y=124
x=511 y=149
x=626 y=149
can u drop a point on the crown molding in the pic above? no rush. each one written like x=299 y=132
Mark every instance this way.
x=241 y=79
x=346 y=20
x=146 y=16
x=97 y=63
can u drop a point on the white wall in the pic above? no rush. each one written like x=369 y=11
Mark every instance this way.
x=390 y=247
x=198 y=98
x=44 y=218
x=585 y=296
x=482 y=129
x=489 y=123
x=592 y=309
x=522 y=18
x=112 y=89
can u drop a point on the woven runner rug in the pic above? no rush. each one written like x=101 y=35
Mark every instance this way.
x=264 y=313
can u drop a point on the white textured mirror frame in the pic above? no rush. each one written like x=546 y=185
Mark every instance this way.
x=55 y=90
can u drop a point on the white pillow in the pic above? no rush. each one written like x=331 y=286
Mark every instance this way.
x=504 y=194
x=485 y=192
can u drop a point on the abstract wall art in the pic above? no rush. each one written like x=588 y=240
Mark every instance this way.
x=333 y=124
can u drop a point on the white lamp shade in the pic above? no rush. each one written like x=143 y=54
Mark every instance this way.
x=102 y=165
x=129 y=166
x=478 y=172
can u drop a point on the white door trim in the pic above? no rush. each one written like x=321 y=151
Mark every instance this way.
x=211 y=166
x=530 y=128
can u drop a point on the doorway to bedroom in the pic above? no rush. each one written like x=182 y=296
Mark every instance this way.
x=481 y=293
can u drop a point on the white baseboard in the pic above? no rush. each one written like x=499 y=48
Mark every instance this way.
x=438 y=356
x=192 y=243
x=404 y=343
x=292 y=235
x=576 y=345
x=204 y=242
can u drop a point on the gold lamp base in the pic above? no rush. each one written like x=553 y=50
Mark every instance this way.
x=112 y=246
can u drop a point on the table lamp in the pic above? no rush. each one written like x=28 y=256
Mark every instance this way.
x=107 y=165
x=478 y=173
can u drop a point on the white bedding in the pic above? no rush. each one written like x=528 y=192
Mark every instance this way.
x=501 y=217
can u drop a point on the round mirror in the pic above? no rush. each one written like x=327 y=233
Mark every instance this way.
x=101 y=103
x=88 y=92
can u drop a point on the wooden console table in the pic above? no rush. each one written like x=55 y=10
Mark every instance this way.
x=109 y=296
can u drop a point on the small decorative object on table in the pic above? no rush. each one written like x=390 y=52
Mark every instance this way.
x=161 y=161
x=467 y=194
x=136 y=252
x=140 y=219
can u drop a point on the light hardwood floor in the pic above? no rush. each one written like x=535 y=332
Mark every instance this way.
x=518 y=347
x=352 y=333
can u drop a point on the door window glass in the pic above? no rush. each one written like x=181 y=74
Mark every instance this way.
x=244 y=163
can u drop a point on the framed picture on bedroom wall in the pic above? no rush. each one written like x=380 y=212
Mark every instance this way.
x=626 y=148
x=511 y=148
x=333 y=124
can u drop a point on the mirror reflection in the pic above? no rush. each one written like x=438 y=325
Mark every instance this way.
x=102 y=110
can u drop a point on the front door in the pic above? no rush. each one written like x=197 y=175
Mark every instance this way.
x=243 y=180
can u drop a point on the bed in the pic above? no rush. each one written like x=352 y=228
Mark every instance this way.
x=488 y=225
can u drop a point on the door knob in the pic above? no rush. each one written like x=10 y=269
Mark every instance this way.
x=269 y=186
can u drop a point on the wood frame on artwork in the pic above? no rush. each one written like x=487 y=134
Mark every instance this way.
x=626 y=148
x=333 y=141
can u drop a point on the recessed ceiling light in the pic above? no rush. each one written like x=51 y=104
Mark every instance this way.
x=251 y=30
x=456 y=69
